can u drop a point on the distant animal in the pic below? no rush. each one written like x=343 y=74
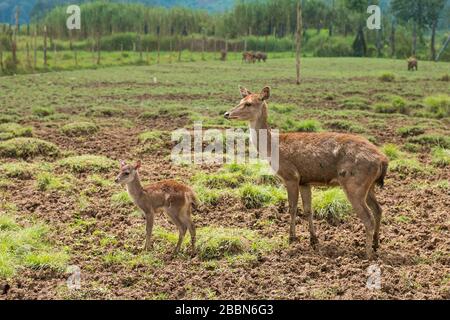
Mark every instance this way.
x=310 y=159
x=261 y=56
x=413 y=64
x=175 y=198
x=223 y=55
x=248 y=57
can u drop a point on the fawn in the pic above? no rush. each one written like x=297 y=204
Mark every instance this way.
x=174 y=198
x=308 y=159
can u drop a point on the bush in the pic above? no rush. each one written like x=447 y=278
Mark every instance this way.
x=441 y=157
x=345 y=125
x=14 y=130
x=79 y=129
x=331 y=205
x=27 y=148
x=438 y=105
x=431 y=140
x=387 y=77
x=42 y=111
x=87 y=163
x=411 y=131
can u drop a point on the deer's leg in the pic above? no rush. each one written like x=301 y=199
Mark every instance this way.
x=174 y=214
x=292 y=189
x=305 y=192
x=149 y=219
x=187 y=222
x=377 y=213
x=357 y=194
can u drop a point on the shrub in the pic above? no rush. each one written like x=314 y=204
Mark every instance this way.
x=104 y=112
x=431 y=140
x=346 y=126
x=87 y=163
x=438 y=105
x=42 y=111
x=441 y=157
x=19 y=170
x=331 y=205
x=14 y=130
x=411 y=131
x=79 y=129
x=387 y=77
x=27 y=148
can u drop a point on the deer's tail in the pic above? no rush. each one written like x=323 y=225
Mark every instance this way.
x=384 y=168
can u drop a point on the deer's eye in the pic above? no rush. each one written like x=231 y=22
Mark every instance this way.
x=248 y=104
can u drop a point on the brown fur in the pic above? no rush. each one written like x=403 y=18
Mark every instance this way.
x=413 y=64
x=175 y=198
x=309 y=159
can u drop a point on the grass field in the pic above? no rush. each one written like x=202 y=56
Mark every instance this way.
x=62 y=134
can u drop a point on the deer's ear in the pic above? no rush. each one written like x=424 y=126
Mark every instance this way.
x=244 y=92
x=265 y=93
x=122 y=164
x=138 y=165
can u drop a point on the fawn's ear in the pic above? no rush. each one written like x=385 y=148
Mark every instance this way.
x=244 y=92
x=138 y=165
x=265 y=93
x=122 y=164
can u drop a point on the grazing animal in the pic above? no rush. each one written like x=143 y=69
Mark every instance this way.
x=248 y=57
x=261 y=56
x=413 y=64
x=309 y=159
x=174 y=198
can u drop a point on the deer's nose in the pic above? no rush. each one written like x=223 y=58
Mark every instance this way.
x=227 y=115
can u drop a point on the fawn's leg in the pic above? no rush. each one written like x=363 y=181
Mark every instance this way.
x=377 y=214
x=305 y=192
x=174 y=214
x=149 y=218
x=186 y=219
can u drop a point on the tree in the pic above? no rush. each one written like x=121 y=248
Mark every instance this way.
x=358 y=7
x=433 y=10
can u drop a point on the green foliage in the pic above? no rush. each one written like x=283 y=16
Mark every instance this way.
x=46 y=181
x=42 y=111
x=87 y=163
x=14 y=130
x=432 y=140
x=76 y=129
x=356 y=102
x=387 y=77
x=26 y=247
x=407 y=166
x=441 y=157
x=104 y=112
x=18 y=170
x=410 y=131
x=331 y=205
x=438 y=105
x=27 y=148
x=391 y=151
x=121 y=199
x=254 y=196
x=397 y=105
x=345 y=125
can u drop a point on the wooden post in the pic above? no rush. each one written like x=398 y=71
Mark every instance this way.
x=298 y=40
x=45 y=46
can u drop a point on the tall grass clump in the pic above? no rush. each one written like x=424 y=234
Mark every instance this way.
x=331 y=205
x=25 y=148
x=14 y=130
x=438 y=105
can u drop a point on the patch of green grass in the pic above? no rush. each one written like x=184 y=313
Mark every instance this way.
x=87 y=163
x=331 y=205
x=412 y=147
x=387 y=77
x=42 y=111
x=219 y=180
x=391 y=151
x=307 y=126
x=408 y=166
x=14 y=130
x=403 y=219
x=77 y=129
x=432 y=140
x=396 y=105
x=441 y=157
x=121 y=199
x=99 y=181
x=153 y=137
x=281 y=108
x=104 y=112
x=25 y=148
x=355 y=102
x=207 y=196
x=438 y=105
x=411 y=131
x=345 y=125
x=442 y=184
x=26 y=247
x=46 y=181
x=18 y=170
x=6 y=118
x=257 y=196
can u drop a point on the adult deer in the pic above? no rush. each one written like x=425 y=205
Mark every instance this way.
x=309 y=159
x=174 y=198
